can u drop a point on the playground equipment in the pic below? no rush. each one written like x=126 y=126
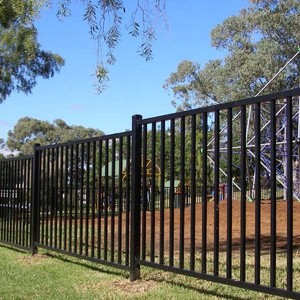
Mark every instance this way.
x=265 y=136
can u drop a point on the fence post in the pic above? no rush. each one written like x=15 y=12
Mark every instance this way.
x=35 y=199
x=136 y=198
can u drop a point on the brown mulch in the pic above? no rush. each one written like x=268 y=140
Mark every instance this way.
x=265 y=210
x=251 y=223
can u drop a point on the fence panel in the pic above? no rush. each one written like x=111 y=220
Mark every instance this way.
x=84 y=199
x=220 y=193
x=15 y=201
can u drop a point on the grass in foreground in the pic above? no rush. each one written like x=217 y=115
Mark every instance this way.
x=49 y=275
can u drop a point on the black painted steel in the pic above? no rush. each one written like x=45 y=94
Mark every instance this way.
x=257 y=189
x=15 y=202
x=204 y=194
x=193 y=192
x=289 y=194
x=85 y=199
x=162 y=194
x=273 y=194
x=216 y=197
x=243 y=184
x=136 y=198
x=172 y=191
x=182 y=193
x=220 y=136
x=229 y=195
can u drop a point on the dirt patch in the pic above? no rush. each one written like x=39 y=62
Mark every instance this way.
x=174 y=229
x=218 y=225
x=133 y=288
x=32 y=260
x=124 y=287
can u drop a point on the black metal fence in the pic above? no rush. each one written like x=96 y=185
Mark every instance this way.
x=248 y=147
x=15 y=201
x=84 y=199
x=210 y=193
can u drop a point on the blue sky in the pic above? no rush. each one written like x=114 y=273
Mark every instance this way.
x=135 y=86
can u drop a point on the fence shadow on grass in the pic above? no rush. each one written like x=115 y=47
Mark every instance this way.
x=86 y=264
x=199 y=290
x=13 y=248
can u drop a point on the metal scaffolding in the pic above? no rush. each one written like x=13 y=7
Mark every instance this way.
x=265 y=146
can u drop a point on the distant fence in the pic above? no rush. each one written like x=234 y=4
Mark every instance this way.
x=15 y=201
x=181 y=192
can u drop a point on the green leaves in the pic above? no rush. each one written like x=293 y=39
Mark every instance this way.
x=105 y=20
x=64 y=9
x=258 y=43
x=135 y=31
x=22 y=60
x=29 y=131
x=102 y=78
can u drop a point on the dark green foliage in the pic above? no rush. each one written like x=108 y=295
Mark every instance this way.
x=258 y=42
x=29 y=131
x=21 y=58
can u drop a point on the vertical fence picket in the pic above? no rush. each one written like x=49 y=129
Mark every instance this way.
x=216 y=191
x=243 y=195
x=35 y=200
x=128 y=197
x=136 y=198
x=87 y=200
x=229 y=195
x=120 y=197
x=171 y=194
x=289 y=196
x=100 y=199
x=146 y=193
x=56 y=197
x=273 y=193
x=162 y=194
x=152 y=186
x=193 y=192
x=93 y=197
x=204 y=194
x=257 y=194
x=71 y=188
x=182 y=193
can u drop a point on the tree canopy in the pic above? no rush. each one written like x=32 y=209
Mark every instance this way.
x=29 y=131
x=258 y=42
x=22 y=59
x=106 y=23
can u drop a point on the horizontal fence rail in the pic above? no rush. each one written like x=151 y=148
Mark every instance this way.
x=212 y=193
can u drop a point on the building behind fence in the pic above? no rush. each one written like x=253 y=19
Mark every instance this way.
x=155 y=196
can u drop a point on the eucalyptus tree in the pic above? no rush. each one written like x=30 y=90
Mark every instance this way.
x=29 y=131
x=23 y=60
x=258 y=41
x=107 y=21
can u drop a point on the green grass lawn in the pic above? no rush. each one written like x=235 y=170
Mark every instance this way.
x=49 y=275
